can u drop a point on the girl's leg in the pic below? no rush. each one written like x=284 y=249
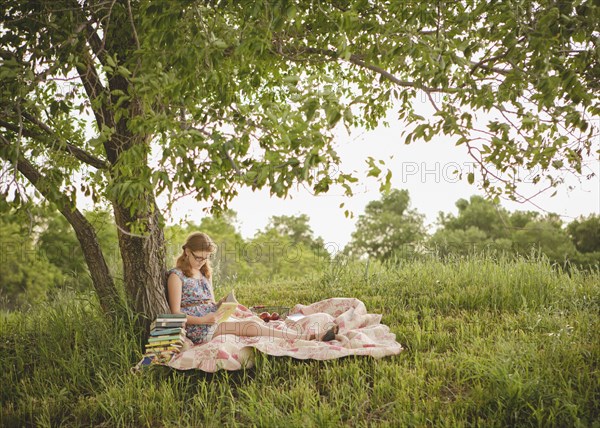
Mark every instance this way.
x=252 y=328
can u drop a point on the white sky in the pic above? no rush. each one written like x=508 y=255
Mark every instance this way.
x=424 y=169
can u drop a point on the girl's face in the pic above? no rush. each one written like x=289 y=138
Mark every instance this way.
x=197 y=259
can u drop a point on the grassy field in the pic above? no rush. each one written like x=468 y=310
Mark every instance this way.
x=487 y=343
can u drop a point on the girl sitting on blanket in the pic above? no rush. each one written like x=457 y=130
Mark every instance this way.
x=190 y=292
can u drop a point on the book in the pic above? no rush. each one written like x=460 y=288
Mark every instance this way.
x=162 y=349
x=169 y=347
x=167 y=331
x=159 y=316
x=160 y=357
x=173 y=319
x=157 y=358
x=230 y=298
x=166 y=324
x=226 y=309
x=166 y=338
x=146 y=360
x=177 y=342
x=176 y=349
x=166 y=342
x=154 y=345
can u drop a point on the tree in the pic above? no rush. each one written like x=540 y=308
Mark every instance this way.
x=201 y=98
x=585 y=233
x=298 y=229
x=59 y=244
x=387 y=228
x=466 y=241
x=480 y=225
x=480 y=213
x=272 y=254
x=40 y=252
x=546 y=235
x=26 y=275
x=484 y=225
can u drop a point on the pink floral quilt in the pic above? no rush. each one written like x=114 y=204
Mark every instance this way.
x=360 y=333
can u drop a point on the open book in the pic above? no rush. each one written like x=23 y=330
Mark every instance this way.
x=226 y=307
x=230 y=298
x=225 y=311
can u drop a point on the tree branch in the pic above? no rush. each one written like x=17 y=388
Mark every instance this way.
x=356 y=60
x=95 y=43
x=101 y=276
x=135 y=35
x=77 y=152
x=479 y=64
x=93 y=88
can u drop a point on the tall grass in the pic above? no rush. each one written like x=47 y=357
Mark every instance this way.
x=487 y=342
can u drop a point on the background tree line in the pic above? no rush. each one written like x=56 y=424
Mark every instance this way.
x=40 y=252
x=390 y=230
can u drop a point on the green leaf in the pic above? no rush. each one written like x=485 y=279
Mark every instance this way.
x=374 y=172
x=291 y=79
x=110 y=61
x=333 y=114
x=220 y=44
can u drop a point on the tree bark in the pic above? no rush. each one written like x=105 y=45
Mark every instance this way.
x=143 y=263
x=142 y=253
x=102 y=279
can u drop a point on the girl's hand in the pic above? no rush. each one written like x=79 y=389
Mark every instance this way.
x=210 y=318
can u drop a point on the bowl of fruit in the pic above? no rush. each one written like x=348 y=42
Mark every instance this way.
x=270 y=313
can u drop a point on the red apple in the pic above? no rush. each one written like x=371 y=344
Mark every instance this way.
x=274 y=316
x=265 y=316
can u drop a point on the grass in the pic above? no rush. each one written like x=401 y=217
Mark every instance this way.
x=487 y=342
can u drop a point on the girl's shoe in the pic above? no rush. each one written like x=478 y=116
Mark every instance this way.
x=330 y=334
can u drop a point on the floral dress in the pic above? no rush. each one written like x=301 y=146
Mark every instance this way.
x=193 y=292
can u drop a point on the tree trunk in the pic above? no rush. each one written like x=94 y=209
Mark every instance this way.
x=142 y=253
x=86 y=235
x=143 y=263
x=101 y=278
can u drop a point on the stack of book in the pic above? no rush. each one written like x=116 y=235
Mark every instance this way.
x=167 y=334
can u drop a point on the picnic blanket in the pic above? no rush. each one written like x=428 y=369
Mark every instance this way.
x=360 y=333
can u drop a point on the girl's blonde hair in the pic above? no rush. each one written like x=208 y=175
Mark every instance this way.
x=196 y=241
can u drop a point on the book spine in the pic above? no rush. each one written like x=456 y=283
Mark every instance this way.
x=163 y=349
x=165 y=343
x=166 y=325
x=167 y=331
x=163 y=338
x=173 y=344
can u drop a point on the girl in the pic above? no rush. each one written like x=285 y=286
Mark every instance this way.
x=190 y=292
